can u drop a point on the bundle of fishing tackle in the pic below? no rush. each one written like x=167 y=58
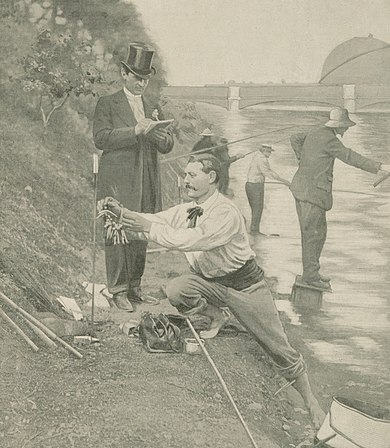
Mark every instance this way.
x=114 y=231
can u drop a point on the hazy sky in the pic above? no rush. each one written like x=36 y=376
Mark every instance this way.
x=211 y=41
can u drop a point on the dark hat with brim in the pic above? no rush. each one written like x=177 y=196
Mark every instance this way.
x=266 y=147
x=139 y=60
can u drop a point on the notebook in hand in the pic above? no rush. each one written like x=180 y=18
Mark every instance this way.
x=158 y=125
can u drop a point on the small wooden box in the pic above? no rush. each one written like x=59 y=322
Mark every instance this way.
x=306 y=296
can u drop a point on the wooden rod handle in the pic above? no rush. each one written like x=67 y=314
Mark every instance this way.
x=40 y=325
x=51 y=344
x=19 y=330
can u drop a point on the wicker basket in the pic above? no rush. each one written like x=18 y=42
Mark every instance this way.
x=355 y=424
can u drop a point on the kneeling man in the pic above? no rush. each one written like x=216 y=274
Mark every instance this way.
x=224 y=273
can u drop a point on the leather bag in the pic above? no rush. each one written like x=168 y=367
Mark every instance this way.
x=159 y=335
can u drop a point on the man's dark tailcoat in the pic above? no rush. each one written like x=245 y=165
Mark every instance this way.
x=129 y=172
x=129 y=167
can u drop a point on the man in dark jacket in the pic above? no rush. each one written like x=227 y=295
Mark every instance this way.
x=129 y=168
x=312 y=186
x=221 y=153
x=207 y=141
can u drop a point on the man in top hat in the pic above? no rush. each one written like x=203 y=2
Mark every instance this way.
x=259 y=170
x=312 y=186
x=129 y=167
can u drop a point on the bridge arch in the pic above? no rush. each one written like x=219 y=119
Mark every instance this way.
x=295 y=101
x=369 y=104
x=353 y=97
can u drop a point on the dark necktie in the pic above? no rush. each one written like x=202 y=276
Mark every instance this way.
x=193 y=214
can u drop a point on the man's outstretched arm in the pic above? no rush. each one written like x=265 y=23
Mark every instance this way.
x=216 y=230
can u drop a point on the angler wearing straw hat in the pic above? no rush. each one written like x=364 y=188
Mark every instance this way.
x=311 y=186
x=129 y=167
x=223 y=269
x=259 y=169
x=207 y=140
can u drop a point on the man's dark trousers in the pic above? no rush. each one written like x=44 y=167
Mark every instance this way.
x=255 y=194
x=125 y=264
x=312 y=220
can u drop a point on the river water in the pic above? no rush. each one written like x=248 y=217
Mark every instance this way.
x=352 y=327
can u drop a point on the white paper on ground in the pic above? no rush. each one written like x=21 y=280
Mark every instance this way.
x=101 y=294
x=71 y=307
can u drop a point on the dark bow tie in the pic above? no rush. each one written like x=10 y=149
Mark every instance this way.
x=193 y=214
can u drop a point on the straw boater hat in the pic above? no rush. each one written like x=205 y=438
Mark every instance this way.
x=207 y=133
x=339 y=118
x=266 y=146
x=139 y=60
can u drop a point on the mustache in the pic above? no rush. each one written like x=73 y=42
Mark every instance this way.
x=188 y=187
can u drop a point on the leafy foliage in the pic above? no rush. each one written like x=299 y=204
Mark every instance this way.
x=56 y=67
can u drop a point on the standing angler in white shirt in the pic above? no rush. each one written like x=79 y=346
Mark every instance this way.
x=129 y=167
x=259 y=170
x=223 y=270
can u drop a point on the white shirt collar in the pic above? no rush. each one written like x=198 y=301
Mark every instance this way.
x=130 y=95
x=209 y=202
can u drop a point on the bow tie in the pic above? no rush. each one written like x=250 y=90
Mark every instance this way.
x=193 y=214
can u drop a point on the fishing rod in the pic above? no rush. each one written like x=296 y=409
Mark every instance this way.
x=273 y=143
x=222 y=381
x=384 y=177
x=336 y=190
x=212 y=148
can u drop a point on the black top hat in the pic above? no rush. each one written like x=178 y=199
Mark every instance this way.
x=139 y=60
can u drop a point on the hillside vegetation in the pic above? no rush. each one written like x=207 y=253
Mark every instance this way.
x=46 y=176
x=117 y=395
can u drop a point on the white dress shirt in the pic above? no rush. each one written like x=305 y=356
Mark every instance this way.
x=216 y=246
x=259 y=169
x=136 y=104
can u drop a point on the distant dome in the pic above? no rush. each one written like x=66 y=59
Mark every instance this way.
x=345 y=66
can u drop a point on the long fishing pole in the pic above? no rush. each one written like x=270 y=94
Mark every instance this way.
x=222 y=381
x=95 y=170
x=384 y=177
x=226 y=144
x=336 y=190
x=273 y=143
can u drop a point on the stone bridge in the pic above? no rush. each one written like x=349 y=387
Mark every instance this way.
x=356 y=98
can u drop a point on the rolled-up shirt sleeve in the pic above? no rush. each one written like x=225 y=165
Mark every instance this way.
x=267 y=171
x=216 y=230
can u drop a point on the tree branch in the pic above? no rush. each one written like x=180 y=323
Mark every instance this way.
x=56 y=107
x=42 y=111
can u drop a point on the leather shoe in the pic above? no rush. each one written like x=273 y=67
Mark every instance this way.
x=325 y=286
x=325 y=279
x=120 y=300
x=216 y=325
x=135 y=294
x=257 y=233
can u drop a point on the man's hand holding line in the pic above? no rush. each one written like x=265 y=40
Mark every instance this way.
x=135 y=222
x=132 y=220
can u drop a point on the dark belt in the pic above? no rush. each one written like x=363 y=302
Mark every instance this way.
x=244 y=277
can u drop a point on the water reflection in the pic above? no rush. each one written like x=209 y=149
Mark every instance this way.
x=353 y=324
